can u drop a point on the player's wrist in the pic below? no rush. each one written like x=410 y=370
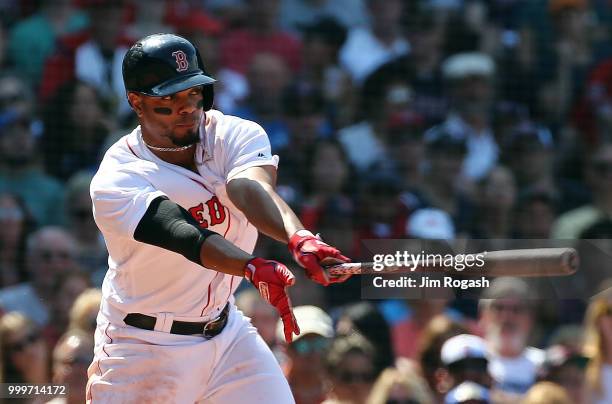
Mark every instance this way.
x=298 y=238
x=251 y=267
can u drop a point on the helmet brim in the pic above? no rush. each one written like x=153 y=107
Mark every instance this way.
x=180 y=84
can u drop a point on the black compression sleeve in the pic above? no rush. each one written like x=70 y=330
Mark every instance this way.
x=167 y=225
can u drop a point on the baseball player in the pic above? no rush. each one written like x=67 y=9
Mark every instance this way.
x=180 y=201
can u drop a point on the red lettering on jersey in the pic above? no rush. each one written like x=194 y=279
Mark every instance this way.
x=216 y=211
x=198 y=214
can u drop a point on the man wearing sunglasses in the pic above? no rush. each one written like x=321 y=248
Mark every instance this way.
x=305 y=369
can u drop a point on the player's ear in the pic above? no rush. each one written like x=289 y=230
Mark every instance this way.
x=135 y=102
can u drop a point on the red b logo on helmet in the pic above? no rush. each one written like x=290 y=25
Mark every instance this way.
x=181 y=61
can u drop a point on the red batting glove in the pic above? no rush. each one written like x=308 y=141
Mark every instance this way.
x=310 y=252
x=272 y=278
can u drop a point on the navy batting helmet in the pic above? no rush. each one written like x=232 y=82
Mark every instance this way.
x=164 y=64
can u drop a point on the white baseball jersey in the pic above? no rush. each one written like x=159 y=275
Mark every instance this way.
x=147 y=279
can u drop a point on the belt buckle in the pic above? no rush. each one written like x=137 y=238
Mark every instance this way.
x=210 y=323
x=206 y=330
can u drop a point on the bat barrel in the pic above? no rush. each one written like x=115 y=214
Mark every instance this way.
x=536 y=262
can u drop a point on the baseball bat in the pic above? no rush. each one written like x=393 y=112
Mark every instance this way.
x=534 y=262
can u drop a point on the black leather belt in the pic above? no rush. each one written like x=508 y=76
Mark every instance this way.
x=208 y=329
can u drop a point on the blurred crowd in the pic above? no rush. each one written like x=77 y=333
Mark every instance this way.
x=420 y=119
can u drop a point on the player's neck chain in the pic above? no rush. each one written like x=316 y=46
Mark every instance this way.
x=165 y=149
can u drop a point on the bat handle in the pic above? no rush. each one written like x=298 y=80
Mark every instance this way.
x=346 y=268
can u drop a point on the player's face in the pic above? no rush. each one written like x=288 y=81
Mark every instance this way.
x=172 y=120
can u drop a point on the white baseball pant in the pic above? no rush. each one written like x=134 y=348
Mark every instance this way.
x=140 y=366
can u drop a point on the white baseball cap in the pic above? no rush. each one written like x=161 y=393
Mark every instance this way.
x=463 y=346
x=468 y=64
x=430 y=224
x=311 y=320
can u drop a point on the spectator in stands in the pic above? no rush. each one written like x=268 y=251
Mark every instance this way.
x=321 y=43
x=407 y=152
x=496 y=199
x=426 y=53
x=16 y=224
x=381 y=213
x=443 y=188
x=367 y=142
x=565 y=367
x=598 y=174
x=93 y=56
x=71 y=357
x=85 y=310
x=349 y=364
x=24 y=353
x=98 y=60
x=595 y=256
x=306 y=115
x=91 y=255
x=394 y=386
x=407 y=333
x=420 y=69
x=305 y=369
x=465 y=359
x=530 y=152
x=570 y=337
x=435 y=334
x=307 y=124
x=367 y=48
x=149 y=18
x=267 y=74
x=68 y=287
x=294 y=14
x=20 y=172
x=76 y=126
x=594 y=115
x=469 y=77
x=33 y=40
x=598 y=348
x=262 y=315
x=547 y=393
x=534 y=214
x=261 y=35
x=365 y=319
x=576 y=46
x=506 y=317
x=50 y=252
x=16 y=95
x=328 y=169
